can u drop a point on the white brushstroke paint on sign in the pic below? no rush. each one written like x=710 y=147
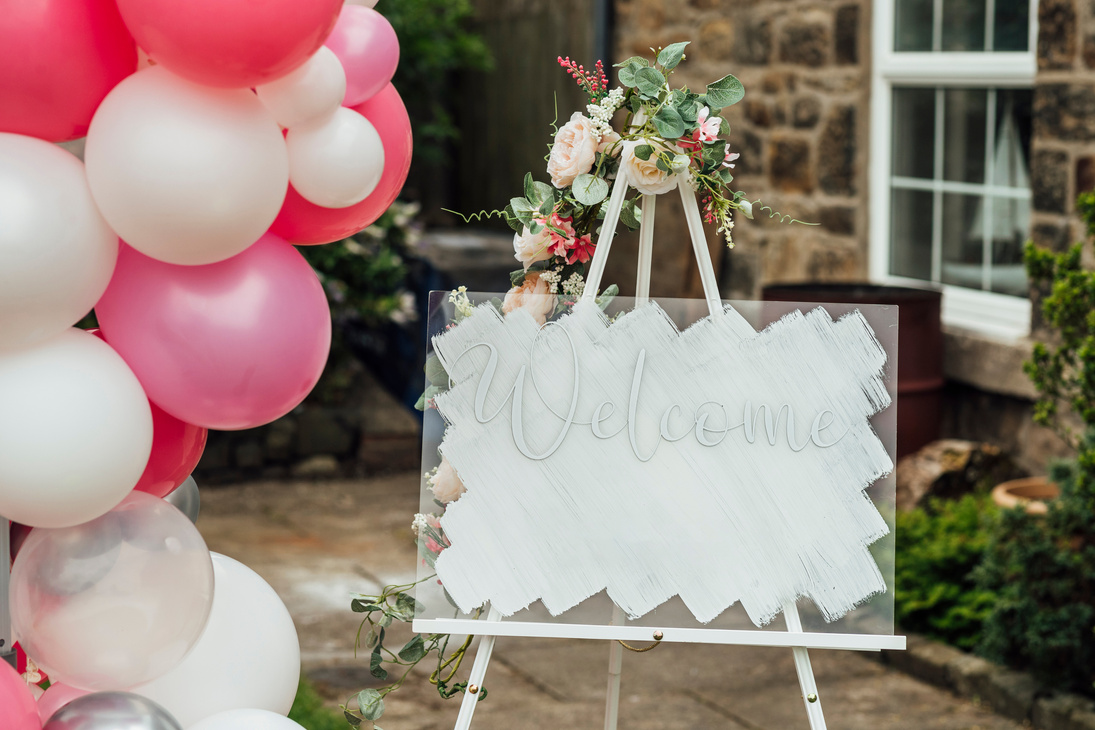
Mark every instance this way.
x=718 y=464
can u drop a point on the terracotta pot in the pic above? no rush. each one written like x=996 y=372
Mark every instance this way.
x=1032 y=493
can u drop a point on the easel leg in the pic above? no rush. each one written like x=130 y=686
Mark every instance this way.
x=7 y=649
x=615 y=668
x=806 y=682
x=478 y=672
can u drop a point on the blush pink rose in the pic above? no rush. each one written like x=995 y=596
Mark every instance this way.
x=644 y=175
x=574 y=151
x=533 y=296
x=528 y=248
x=446 y=484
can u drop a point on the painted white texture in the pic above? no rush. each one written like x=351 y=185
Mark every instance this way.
x=737 y=521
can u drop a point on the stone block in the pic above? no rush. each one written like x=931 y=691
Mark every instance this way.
x=846 y=35
x=1088 y=51
x=1009 y=693
x=716 y=40
x=1056 y=34
x=837 y=152
x=789 y=165
x=1064 y=712
x=1049 y=181
x=1064 y=112
x=777 y=81
x=751 y=161
x=967 y=674
x=1055 y=236
x=831 y=263
x=839 y=219
x=753 y=45
x=950 y=468
x=650 y=14
x=805 y=112
x=1085 y=174
x=805 y=43
x=758 y=111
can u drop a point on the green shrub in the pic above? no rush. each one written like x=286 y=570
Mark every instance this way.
x=308 y=710
x=938 y=548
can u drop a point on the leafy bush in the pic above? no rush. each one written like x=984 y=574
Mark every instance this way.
x=938 y=548
x=308 y=710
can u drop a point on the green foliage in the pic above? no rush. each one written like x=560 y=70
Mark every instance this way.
x=1043 y=571
x=434 y=42
x=938 y=549
x=308 y=710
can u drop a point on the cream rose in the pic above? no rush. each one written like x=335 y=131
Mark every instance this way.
x=574 y=151
x=446 y=484
x=644 y=175
x=533 y=296
x=529 y=248
x=607 y=141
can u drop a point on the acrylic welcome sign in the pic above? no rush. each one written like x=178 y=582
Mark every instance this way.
x=659 y=467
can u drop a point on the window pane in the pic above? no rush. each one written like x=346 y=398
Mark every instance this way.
x=963 y=25
x=1012 y=25
x=1010 y=228
x=913 y=25
x=963 y=231
x=1011 y=156
x=964 y=135
x=913 y=132
x=911 y=247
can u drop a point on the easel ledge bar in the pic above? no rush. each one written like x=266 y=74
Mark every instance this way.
x=808 y=640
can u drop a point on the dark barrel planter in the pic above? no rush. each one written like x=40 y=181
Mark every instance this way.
x=919 y=349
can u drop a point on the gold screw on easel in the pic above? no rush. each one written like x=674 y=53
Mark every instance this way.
x=811 y=697
x=474 y=689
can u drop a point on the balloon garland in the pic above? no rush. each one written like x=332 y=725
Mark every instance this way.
x=218 y=136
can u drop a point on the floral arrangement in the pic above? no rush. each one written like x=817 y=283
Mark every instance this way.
x=667 y=135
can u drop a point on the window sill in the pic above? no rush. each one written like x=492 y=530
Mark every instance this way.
x=987 y=364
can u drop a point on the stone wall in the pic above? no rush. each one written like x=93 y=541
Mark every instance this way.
x=801 y=130
x=1063 y=144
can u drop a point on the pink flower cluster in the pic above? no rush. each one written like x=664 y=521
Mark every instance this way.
x=594 y=83
x=565 y=241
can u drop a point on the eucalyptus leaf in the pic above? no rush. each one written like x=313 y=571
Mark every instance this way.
x=607 y=296
x=546 y=207
x=671 y=55
x=385 y=620
x=371 y=704
x=644 y=151
x=375 y=668
x=631 y=215
x=420 y=404
x=637 y=60
x=661 y=164
x=627 y=73
x=537 y=192
x=714 y=154
x=724 y=92
x=413 y=650
x=589 y=189
x=408 y=605
x=516 y=278
x=649 y=82
x=689 y=109
x=351 y=718
x=511 y=219
x=360 y=605
x=724 y=126
x=669 y=123
x=435 y=371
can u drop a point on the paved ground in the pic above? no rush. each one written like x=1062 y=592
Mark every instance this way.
x=318 y=542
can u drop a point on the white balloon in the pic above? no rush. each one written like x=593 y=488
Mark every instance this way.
x=184 y=173
x=312 y=92
x=116 y=601
x=338 y=162
x=75 y=430
x=245 y=720
x=56 y=251
x=363 y=3
x=247 y=658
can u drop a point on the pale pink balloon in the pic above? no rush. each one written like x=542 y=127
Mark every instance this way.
x=366 y=43
x=230 y=345
x=57 y=696
x=230 y=43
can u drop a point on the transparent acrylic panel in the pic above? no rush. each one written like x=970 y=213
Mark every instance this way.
x=875 y=616
x=913 y=132
x=964 y=134
x=911 y=234
x=1010 y=228
x=963 y=25
x=913 y=25
x=963 y=241
x=1011 y=27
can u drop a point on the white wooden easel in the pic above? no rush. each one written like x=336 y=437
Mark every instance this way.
x=794 y=637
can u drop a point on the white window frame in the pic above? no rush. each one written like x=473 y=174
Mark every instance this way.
x=996 y=315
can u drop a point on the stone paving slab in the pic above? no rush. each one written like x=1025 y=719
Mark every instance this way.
x=317 y=542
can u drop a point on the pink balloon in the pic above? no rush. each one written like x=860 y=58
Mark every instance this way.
x=304 y=223
x=229 y=345
x=230 y=43
x=57 y=696
x=18 y=710
x=366 y=44
x=58 y=59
